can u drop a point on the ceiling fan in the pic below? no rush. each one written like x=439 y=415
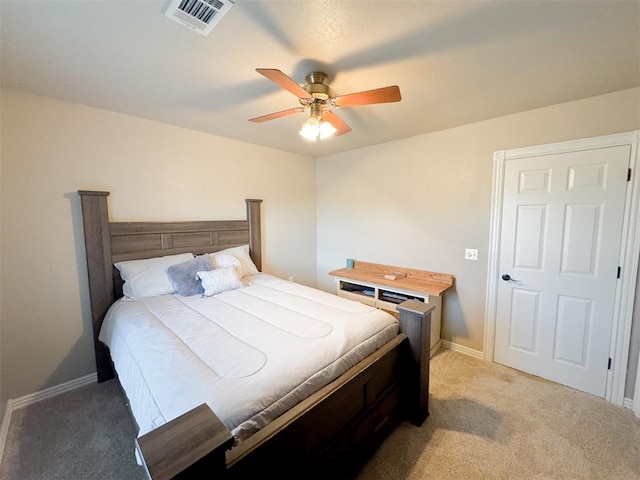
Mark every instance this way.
x=320 y=99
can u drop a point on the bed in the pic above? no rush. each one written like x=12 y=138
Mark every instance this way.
x=324 y=424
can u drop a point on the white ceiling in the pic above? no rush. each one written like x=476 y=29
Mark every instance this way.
x=456 y=62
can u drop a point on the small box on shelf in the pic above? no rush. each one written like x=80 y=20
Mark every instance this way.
x=394 y=275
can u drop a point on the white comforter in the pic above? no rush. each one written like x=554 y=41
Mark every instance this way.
x=250 y=354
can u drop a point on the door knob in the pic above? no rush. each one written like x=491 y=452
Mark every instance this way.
x=506 y=277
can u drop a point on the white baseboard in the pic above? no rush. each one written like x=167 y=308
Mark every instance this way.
x=53 y=391
x=462 y=349
x=15 y=404
x=435 y=348
x=4 y=429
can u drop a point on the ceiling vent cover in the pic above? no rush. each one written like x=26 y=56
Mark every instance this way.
x=199 y=15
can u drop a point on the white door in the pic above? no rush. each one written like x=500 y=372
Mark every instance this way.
x=560 y=241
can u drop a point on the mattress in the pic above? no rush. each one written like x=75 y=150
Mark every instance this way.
x=250 y=354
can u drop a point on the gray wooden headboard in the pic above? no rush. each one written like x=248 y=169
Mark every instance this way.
x=109 y=242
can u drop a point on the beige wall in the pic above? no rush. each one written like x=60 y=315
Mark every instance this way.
x=154 y=171
x=3 y=397
x=416 y=202
x=421 y=201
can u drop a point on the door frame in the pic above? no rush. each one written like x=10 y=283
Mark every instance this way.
x=628 y=260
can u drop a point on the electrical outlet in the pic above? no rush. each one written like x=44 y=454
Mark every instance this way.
x=471 y=254
x=291 y=278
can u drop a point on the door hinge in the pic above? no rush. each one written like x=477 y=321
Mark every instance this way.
x=609 y=365
x=619 y=271
x=629 y=175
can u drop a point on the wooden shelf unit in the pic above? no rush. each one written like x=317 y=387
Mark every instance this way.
x=366 y=283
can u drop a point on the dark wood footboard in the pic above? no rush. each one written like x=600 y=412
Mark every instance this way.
x=332 y=431
x=328 y=435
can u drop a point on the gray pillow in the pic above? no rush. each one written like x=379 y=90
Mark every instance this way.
x=184 y=276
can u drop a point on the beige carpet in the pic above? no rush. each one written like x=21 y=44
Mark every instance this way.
x=486 y=421
x=85 y=434
x=489 y=421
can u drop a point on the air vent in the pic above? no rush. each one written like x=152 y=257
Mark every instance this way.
x=199 y=15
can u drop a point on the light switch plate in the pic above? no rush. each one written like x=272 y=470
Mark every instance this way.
x=471 y=254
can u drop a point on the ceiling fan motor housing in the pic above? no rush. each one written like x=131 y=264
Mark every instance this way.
x=317 y=87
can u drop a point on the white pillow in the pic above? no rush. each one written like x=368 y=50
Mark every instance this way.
x=219 y=280
x=247 y=267
x=148 y=277
x=224 y=260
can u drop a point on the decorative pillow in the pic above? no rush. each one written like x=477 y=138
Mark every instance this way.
x=219 y=280
x=224 y=260
x=247 y=267
x=148 y=278
x=184 y=276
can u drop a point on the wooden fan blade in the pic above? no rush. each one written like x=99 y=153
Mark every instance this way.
x=275 y=115
x=337 y=123
x=279 y=78
x=378 y=95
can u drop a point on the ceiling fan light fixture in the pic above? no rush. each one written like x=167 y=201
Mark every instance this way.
x=316 y=129
x=326 y=130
